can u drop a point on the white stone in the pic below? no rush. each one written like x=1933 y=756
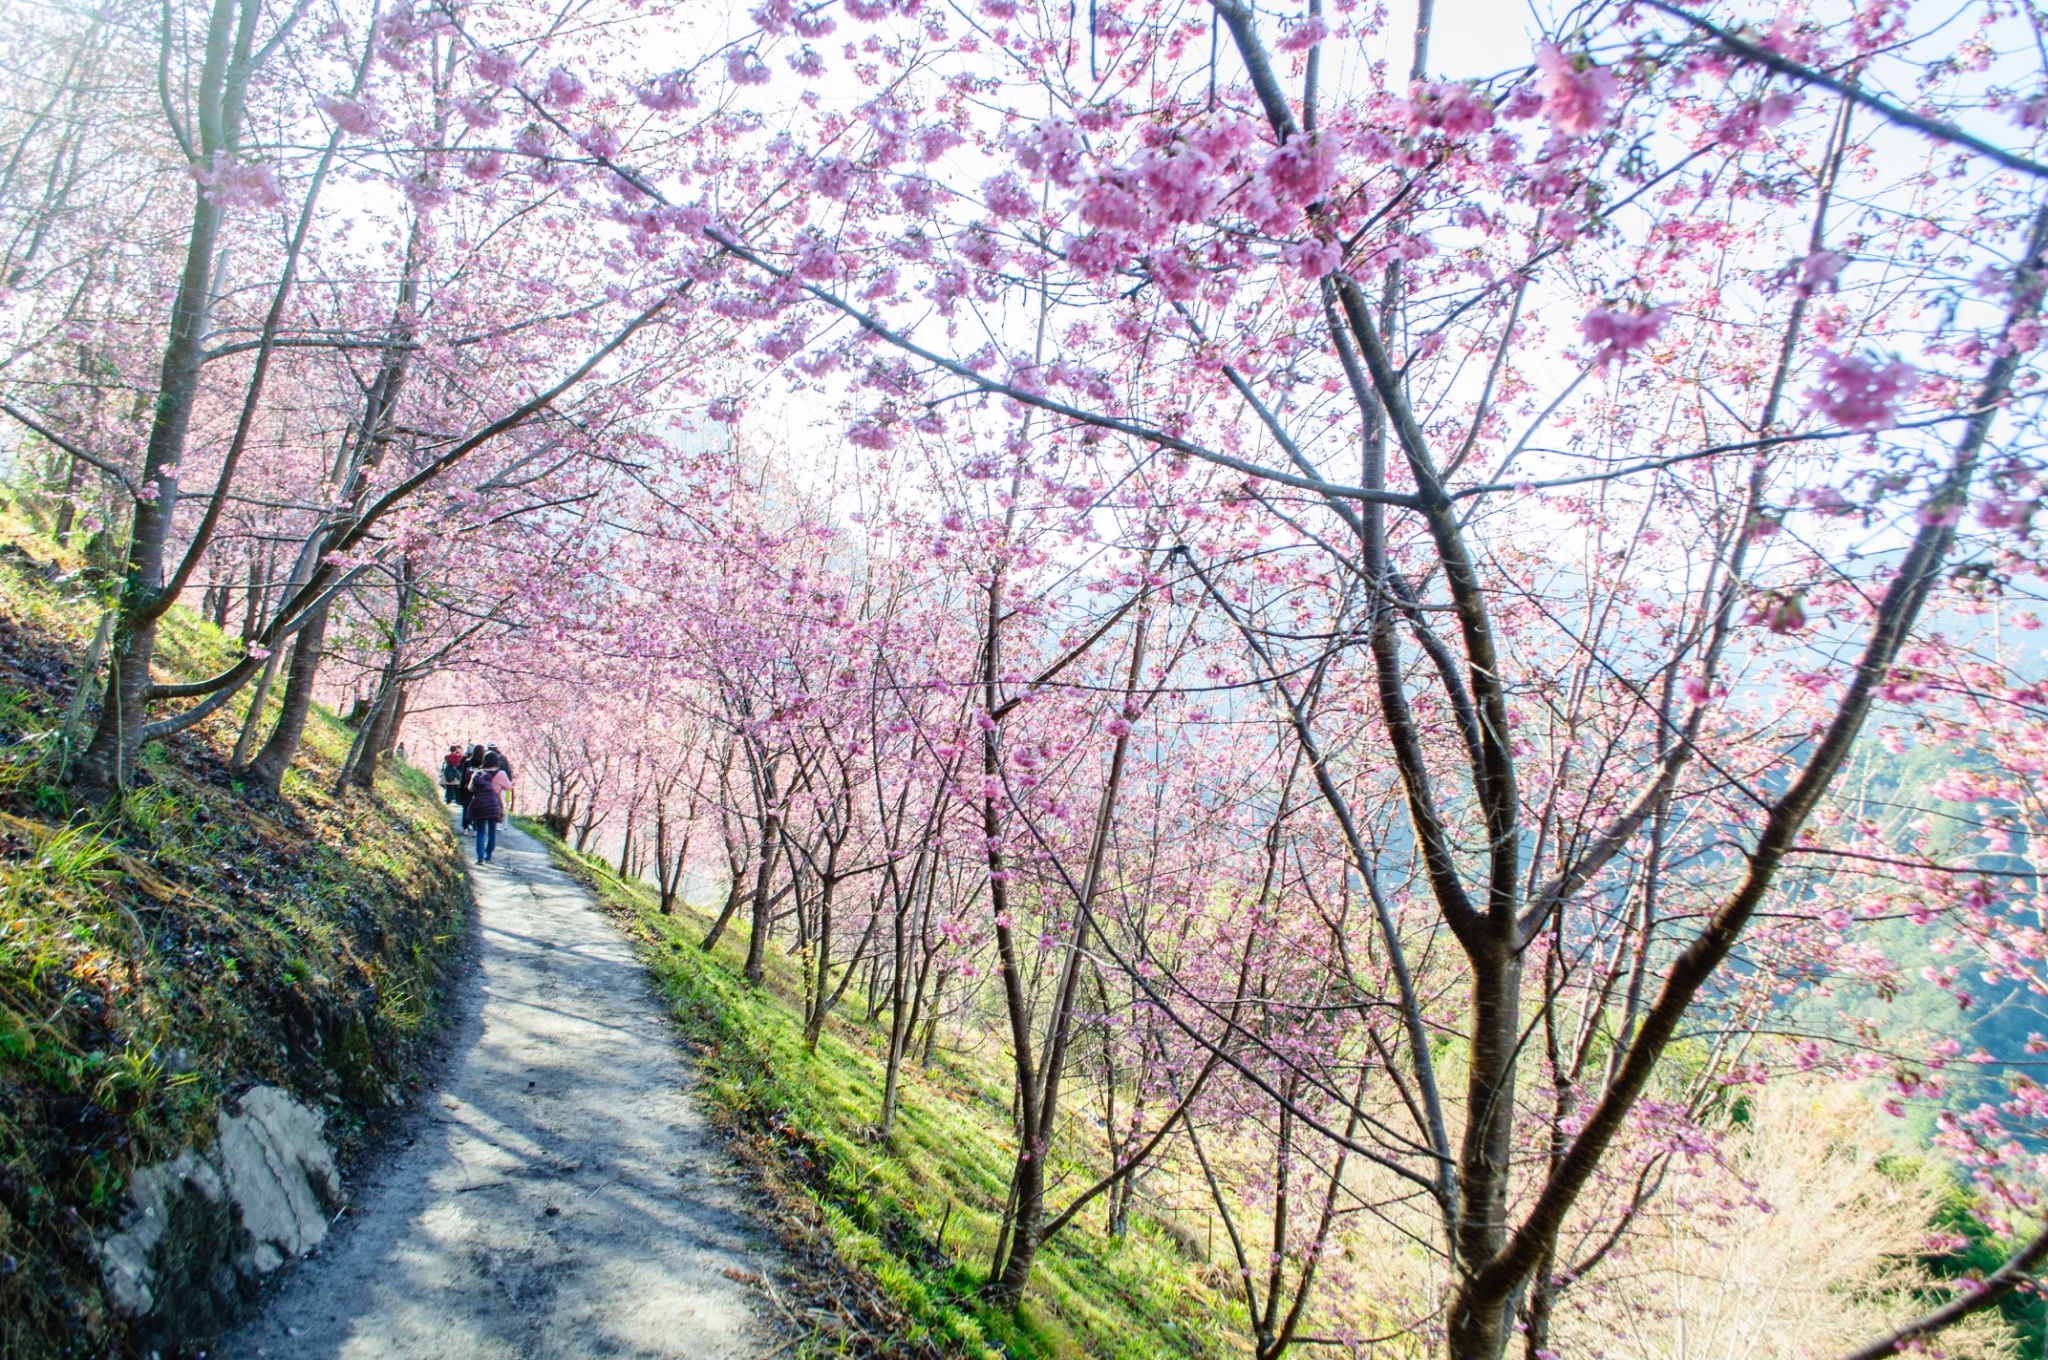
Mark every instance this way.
x=127 y=1261
x=280 y=1174
x=269 y=1162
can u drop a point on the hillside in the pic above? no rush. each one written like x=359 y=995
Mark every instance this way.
x=168 y=950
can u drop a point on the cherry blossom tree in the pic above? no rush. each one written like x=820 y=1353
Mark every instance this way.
x=1345 y=607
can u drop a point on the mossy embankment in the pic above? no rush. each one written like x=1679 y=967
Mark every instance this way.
x=910 y=1219
x=165 y=950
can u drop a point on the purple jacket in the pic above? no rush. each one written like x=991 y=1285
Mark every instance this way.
x=484 y=803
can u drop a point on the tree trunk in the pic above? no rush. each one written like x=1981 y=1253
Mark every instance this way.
x=67 y=508
x=821 y=1004
x=88 y=673
x=931 y=1025
x=591 y=821
x=672 y=873
x=764 y=880
x=394 y=734
x=252 y=723
x=664 y=894
x=302 y=571
x=902 y=1006
x=380 y=725
x=109 y=761
x=223 y=596
x=1039 y=1092
x=252 y=603
x=355 y=755
x=1480 y=1326
x=267 y=770
x=380 y=733
x=735 y=893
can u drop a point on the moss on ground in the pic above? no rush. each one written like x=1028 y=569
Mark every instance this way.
x=165 y=951
x=913 y=1218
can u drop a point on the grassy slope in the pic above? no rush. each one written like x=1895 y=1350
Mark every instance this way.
x=808 y=1120
x=162 y=953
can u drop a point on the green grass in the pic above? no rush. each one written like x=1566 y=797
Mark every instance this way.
x=169 y=947
x=808 y=1120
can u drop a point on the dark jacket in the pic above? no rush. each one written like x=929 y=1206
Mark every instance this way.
x=484 y=803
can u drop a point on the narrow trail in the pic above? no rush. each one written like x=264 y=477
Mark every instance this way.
x=561 y=1195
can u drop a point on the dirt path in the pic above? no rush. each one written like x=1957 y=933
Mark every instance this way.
x=561 y=1197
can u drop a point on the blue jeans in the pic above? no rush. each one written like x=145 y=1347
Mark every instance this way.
x=486 y=840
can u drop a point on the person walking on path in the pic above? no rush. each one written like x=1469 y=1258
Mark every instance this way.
x=487 y=806
x=451 y=775
x=493 y=754
x=472 y=761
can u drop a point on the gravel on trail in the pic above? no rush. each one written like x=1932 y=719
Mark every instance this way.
x=560 y=1194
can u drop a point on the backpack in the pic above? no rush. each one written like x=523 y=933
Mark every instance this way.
x=484 y=803
x=451 y=774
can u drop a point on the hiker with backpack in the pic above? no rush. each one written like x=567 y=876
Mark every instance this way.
x=487 y=788
x=505 y=768
x=472 y=760
x=451 y=775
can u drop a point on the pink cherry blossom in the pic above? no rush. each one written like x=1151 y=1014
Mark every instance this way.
x=427 y=194
x=1052 y=150
x=1820 y=270
x=1455 y=108
x=868 y=433
x=1859 y=393
x=834 y=177
x=353 y=116
x=562 y=89
x=239 y=184
x=2006 y=512
x=1006 y=196
x=746 y=68
x=1620 y=334
x=1301 y=34
x=774 y=16
x=667 y=94
x=1744 y=126
x=1781 y=613
x=496 y=68
x=1575 y=91
x=1096 y=255
x=1302 y=170
x=1315 y=258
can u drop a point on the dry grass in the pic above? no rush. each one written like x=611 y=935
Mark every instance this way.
x=1806 y=1241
